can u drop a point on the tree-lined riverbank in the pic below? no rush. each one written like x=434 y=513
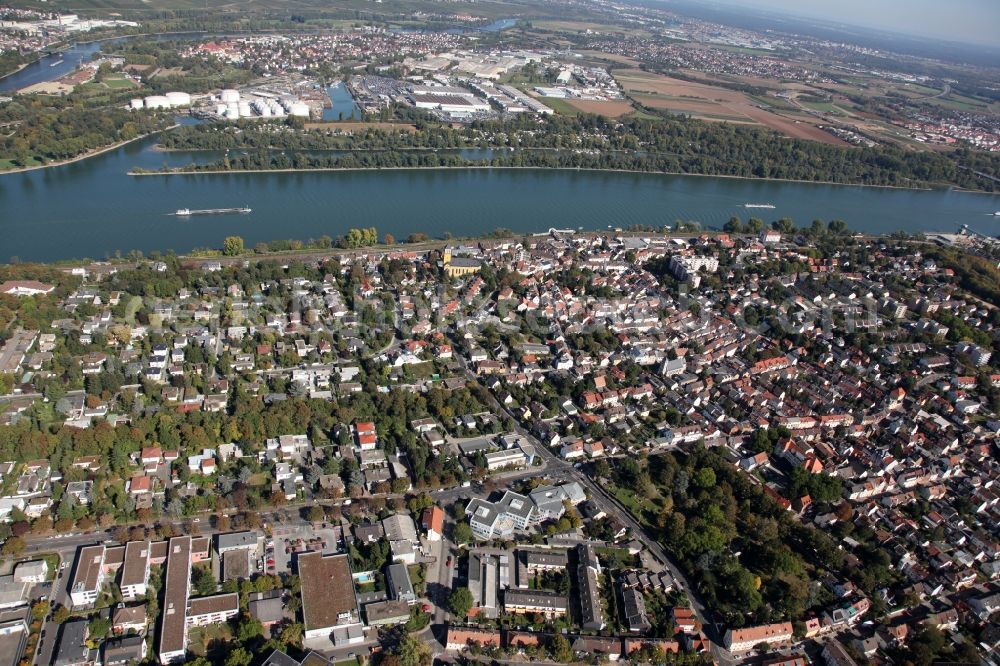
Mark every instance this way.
x=658 y=145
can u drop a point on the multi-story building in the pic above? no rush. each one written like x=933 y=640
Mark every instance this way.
x=741 y=640
x=176 y=588
x=135 y=570
x=88 y=576
x=212 y=610
x=588 y=571
x=547 y=603
x=489 y=520
x=399 y=584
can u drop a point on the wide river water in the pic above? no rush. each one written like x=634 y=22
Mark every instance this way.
x=92 y=208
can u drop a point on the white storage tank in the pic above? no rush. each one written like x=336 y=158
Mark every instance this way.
x=232 y=110
x=220 y=109
x=135 y=103
x=245 y=111
x=300 y=109
x=179 y=98
x=157 y=102
x=264 y=112
x=228 y=95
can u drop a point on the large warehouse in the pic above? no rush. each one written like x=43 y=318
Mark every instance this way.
x=449 y=103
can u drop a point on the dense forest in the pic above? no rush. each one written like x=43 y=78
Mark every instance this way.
x=58 y=129
x=666 y=144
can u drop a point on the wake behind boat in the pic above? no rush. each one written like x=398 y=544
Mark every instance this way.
x=758 y=205
x=184 y=212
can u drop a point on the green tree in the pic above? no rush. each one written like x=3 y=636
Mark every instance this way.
x=561 y=650
x=248 y=628
x=291 y=635
x=239 y=657
x=99 y=627
x=232 y=246
x=203 y=581
x=462 y=533
x=14 y=546
x=315 y=513
x=411 y=651
x=60 y=615
x=460 y=602
x=39 y=610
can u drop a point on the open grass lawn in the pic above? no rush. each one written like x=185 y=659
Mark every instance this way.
x=825 y=107
x=118 y=84
x=9 y=164
x=559 y=105
x=958 y=102
x=630 y=501
x=201 y=640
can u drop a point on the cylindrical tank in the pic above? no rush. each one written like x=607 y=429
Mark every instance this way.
x=135 y=103
x=229 y=95
x=232 y=110
x=157 y=102
x=245 y=109
x=220 y=109
x=300 y=109
x=179 y=98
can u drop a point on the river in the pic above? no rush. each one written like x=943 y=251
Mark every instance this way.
x=343 y=106
x=57 y=65
x=92 y=208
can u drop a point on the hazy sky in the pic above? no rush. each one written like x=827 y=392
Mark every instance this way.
x=968 y=21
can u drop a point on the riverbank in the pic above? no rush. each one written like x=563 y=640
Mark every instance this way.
x=83 y=156
x=19 y=68
x=468 y=167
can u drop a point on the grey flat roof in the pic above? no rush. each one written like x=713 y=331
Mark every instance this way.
x=72 y=644
x=537 y=598
x=245 y=539
x=399 y=578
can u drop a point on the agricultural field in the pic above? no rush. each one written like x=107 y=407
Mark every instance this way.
x=585 y=26
x=710 y=103
x=609 y=108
